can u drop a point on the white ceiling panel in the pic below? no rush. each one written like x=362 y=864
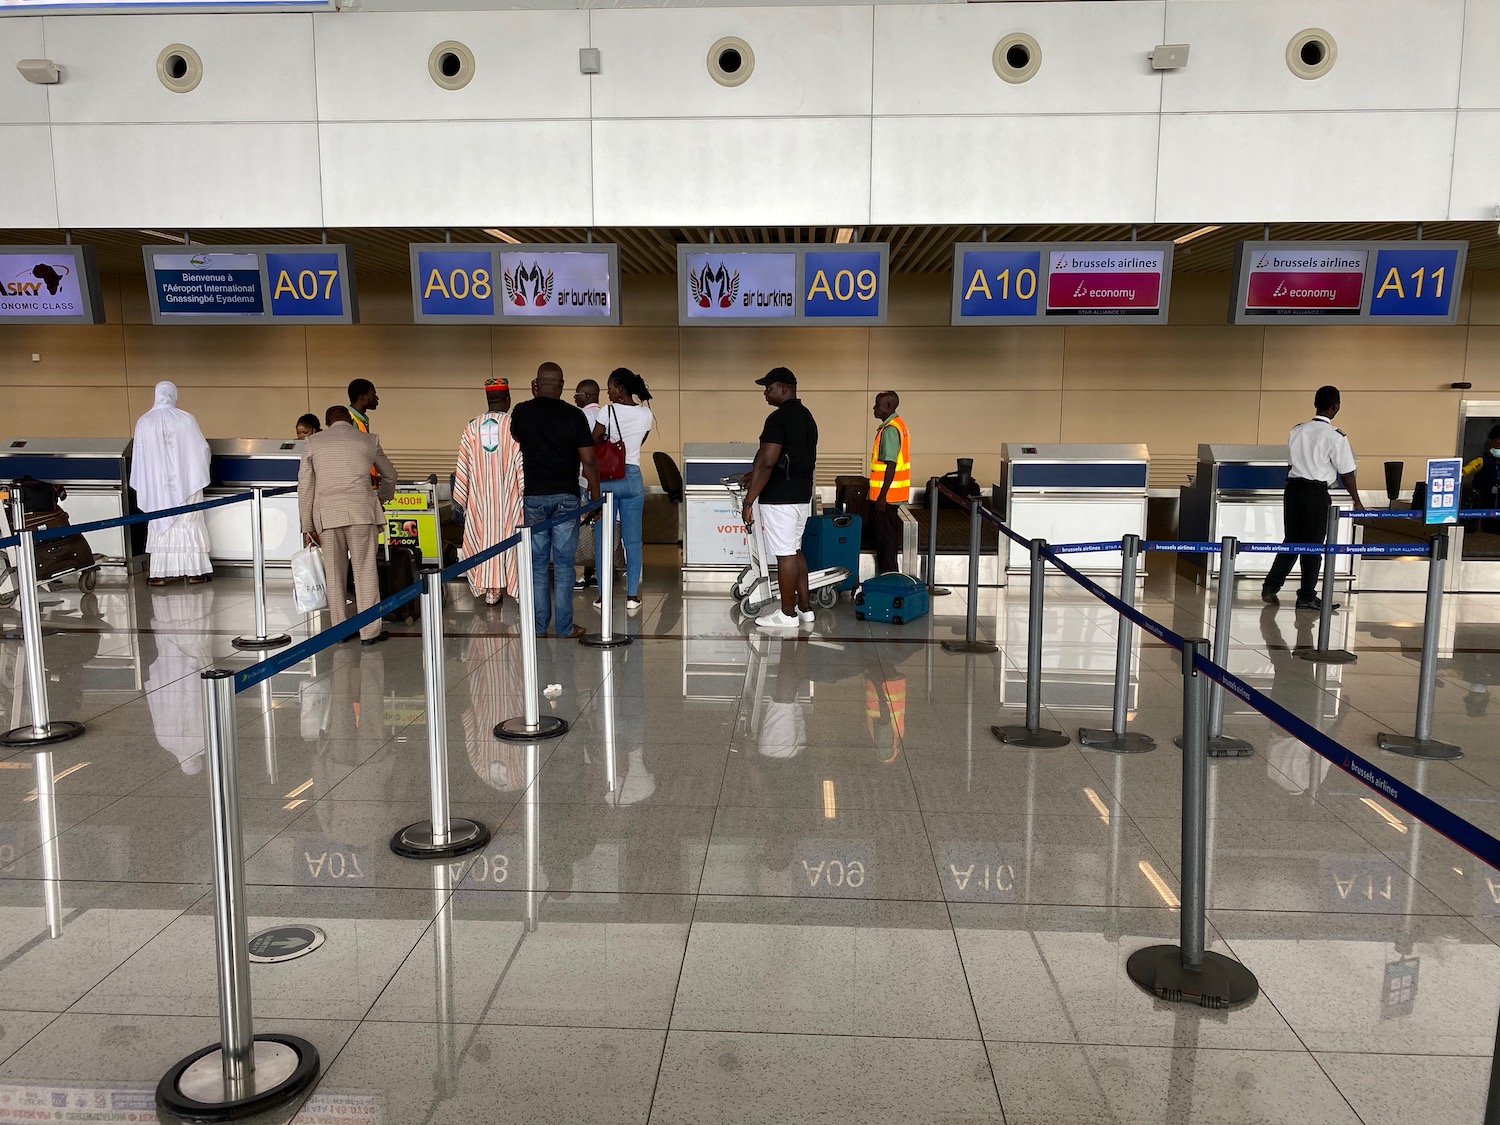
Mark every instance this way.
x=1480 y=88
x=20 y=100
x=32 y=197
x=1476 y=166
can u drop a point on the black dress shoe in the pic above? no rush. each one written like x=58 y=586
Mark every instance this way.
x=384 y=636
x=1315 y=604
x=1269 y=596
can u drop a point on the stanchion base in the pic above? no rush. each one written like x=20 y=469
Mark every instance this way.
x=1035 y=738
x=1327 y=656
x=58 y=731
x=938 y=591
x=547 y=726
x=464 y=836
x=18 y=635
x=1418 y=747
x=599 y=640
x=285 y=1067
x=1096 y=738
x=970 y=647
x=1222 y=746
x=281 y=640
x=1221 y=983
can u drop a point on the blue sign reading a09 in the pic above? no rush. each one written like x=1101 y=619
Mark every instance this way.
x=1000 y=283
x=1417 y=282
x=841 y=283
x=305 y=283
x=456 y=282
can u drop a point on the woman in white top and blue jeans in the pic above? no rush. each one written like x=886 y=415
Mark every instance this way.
x=630 y=422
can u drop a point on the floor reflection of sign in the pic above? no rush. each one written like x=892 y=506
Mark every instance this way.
x=8 y=849
x=1400 y=993
x=285 y=943
x=1487 y=895
x=1360 y=884
x=978 y=872
x=1443 y=474
x=102 y=1103
x=321 y=861
x=494 y=867
x=834 y=868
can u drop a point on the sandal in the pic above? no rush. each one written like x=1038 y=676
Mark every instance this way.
x=156 y=582
x=199 y=579
x=576 y=632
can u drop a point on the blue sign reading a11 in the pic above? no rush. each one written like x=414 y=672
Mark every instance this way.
x=1415 y=282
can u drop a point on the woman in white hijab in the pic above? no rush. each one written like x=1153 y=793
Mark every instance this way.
x=169 y=468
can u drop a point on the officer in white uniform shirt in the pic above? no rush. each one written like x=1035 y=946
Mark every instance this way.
x=1319 y=457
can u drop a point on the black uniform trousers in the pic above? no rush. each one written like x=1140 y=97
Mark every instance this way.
x=886 y=525
x=1304 y=510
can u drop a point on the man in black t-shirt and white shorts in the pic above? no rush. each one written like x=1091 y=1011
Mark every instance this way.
x=782 y=480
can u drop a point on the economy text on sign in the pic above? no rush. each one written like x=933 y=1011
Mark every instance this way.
x=1104 y=282
x=842 y=284
x=49 y=284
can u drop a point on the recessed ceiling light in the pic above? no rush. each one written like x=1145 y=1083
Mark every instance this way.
x=845 y=234
x=503 y=236
x=1192 y=234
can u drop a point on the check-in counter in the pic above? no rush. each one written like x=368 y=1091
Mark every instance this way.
x=1237 y=491
x=96 y=473
x=241 y=463
x=715 y=536
x=1074 y=494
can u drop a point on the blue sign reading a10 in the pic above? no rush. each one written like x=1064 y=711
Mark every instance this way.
x=456 y=282
x=841 y=283
x=1416 y=282
x=1000 y=283
x=305 y=283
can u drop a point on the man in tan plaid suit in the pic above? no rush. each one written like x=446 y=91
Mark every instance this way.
x=342 y=512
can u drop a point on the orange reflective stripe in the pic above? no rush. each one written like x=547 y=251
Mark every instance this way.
x=900 y=489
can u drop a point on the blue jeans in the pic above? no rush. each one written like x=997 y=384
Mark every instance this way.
x=630 y=501
x=555 y=546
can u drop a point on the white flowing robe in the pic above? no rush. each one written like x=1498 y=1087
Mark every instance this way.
x=169 y=468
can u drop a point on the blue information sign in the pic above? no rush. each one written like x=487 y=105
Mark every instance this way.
x=455 y=282
x=1443 y=477
x=206 y=284
x=999 y=283
x=1419 y=281
x=843 y=284
x=306 y=283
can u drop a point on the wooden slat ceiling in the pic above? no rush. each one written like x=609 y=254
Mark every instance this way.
x=652 y=250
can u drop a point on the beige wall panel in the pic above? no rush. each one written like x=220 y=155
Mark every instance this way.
x=666 y=435
x=822 y=358
x=920 y=360
x=920 y=299
x=417 y=355
x=429 y=419
x=96 y=412
x=384 y=298
x=648 y=300
x=109 y=291
x=1484 y=297
x=946 y=425
x=1143 y=358
x=135 y=304
x=207 y=356
x=71 y=356
x=1377 y=358
x=1482 y=365
x=1167 y=423
x=1198 y=298
x=738 y=415
x=585 y=353
x=229 y=412
x=1405 y=425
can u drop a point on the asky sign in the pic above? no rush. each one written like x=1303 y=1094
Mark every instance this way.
x=49 y=285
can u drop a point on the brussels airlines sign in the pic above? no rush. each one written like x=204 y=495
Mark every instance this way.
x=1035 y=282
x=1348 y=282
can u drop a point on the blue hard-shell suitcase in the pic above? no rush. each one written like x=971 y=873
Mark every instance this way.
x=832 y=539
x=897 y=598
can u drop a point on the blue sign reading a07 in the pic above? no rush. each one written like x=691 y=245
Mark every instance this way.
x=455 y=282
x=841 y=283
x=1415 y=282
x=305 y=283
x=1000 y=283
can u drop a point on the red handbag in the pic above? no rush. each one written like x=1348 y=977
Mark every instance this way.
x=610 y=454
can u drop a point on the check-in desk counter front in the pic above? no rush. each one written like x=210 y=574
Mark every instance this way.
x=241 y=463
x=715 y=536
x=96 y=473
x=1237 y=491
x=1074 y=494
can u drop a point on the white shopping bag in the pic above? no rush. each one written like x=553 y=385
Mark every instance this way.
x=309 y=587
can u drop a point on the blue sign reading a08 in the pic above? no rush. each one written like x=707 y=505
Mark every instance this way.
x=456 y=282
x=841 y=283
x=305 y=283
x=1000 y=283
x=1415 y=282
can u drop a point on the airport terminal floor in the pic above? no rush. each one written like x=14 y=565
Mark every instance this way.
x=760 y=879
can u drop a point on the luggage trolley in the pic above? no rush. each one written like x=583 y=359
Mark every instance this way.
x=754 y=588
x=56 y=559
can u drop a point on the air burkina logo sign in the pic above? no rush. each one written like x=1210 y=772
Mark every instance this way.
x=714 y=285
x=527 y=284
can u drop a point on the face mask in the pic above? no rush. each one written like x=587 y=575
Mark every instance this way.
x=1495 y=452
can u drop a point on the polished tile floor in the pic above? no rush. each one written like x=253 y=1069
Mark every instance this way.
x=760 y=879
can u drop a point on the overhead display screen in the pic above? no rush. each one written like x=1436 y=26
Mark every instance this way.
x=515 y=284
x=842 y=283
x=1039 y=283
x=250 y=285
x=49 y=285
x=1348 y=282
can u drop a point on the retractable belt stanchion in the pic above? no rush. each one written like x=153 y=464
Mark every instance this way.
x=441 y=836
x=243 y=1073
x=933 y=503
x=531 y=725
x=1422 y=744
x=1033 y=734
x=258 y=549
x=971 y=642
x=1323 y=654
x=43 y=729
x=1119 y=740
x=1219 y=745
x=1492 y=1102
x=605 y=567
x=1188 y=972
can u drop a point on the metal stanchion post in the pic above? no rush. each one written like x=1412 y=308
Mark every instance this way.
x=1119 y=740
x=1033 y=734
x=531 y=825
x=243 y=1073
x=441 y=836
x=1422 y=744
x=933 y=504
x=531 y=725
x=258 y=550
x=46 y=809
x=1323 y=654
x=1220 y=746
x=1188 y=972
x=971 y=642
x=605 y=566
x=1492 y=1102
x=43 y=730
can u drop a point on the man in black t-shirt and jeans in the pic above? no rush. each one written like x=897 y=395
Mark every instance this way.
x=782 y=480
x=555 y=440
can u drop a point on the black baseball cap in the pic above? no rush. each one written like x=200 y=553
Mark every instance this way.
x=777 y=375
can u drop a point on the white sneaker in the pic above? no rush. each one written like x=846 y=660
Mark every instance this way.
x=632 y=604
x=807 y=617
x=776 y=620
